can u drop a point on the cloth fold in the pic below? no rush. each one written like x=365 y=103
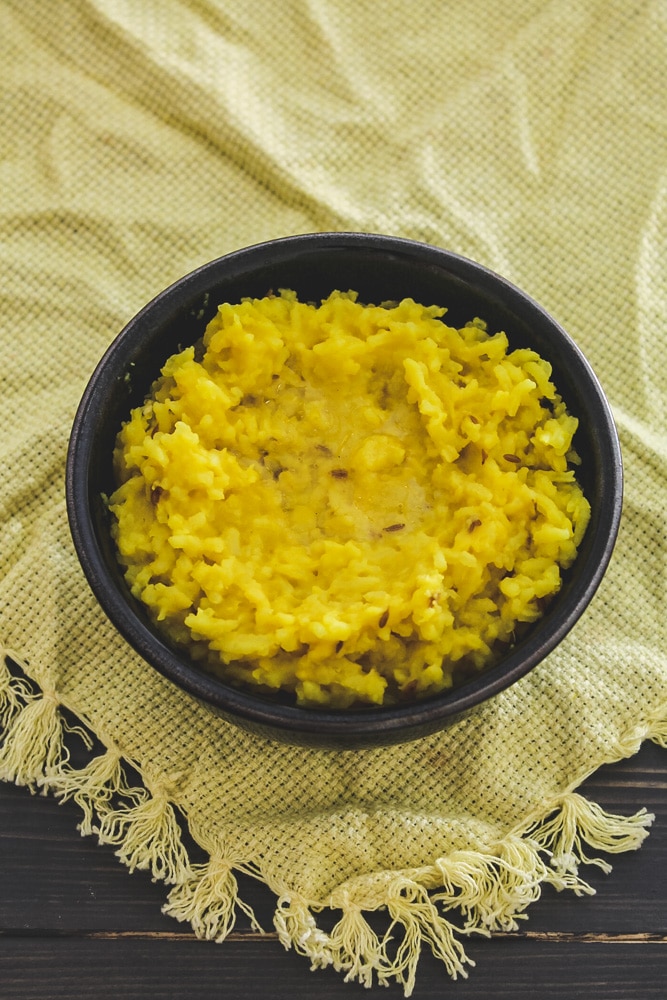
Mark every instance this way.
x=141 y=140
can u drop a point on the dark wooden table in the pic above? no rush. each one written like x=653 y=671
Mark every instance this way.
x=75 y=924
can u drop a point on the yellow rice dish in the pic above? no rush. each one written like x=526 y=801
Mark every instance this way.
x=353 y=504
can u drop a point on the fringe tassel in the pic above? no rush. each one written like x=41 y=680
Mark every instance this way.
x=491 y=892
x=94 y=788
x=14 y=691
x=33 y=743
x=355 y=947
x=411 y=908
x=658 y=732
x=297 y=929
x=209 y=901
x=148 y=836
x=578 y=822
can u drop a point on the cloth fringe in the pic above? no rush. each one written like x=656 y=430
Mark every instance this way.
x=354 y=946
x=33 y=730
x=33 y=744
x=491 y=891
x=658 y=733
x=95 y=788
x=416 y=916
x=488 y=888
x=209 y=901
x=148 y=836
x=14 y=691
x=577 y=822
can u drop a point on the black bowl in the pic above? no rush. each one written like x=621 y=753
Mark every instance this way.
x=379 y=268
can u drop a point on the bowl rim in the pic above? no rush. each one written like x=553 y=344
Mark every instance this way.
x=374 y=723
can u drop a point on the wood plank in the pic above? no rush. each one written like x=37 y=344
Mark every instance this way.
x=182 y=969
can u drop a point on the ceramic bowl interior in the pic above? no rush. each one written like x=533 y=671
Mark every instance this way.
x=379 y=268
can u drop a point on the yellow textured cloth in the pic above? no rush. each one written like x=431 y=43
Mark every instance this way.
x=141 y=139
